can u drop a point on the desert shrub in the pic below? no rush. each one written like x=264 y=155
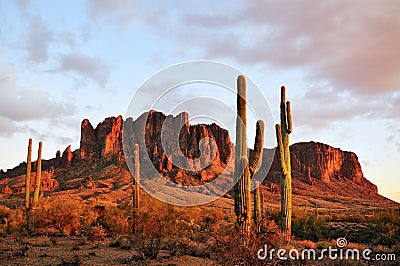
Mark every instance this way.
x=176 y=246
x=210 y=216
x=161 y=226
x=146 y=246
x=117 y=219
x=305 y=244
x=229 y=248
x=42 y=241
x=57 y=217
x=12 y=220
x=309 y=227
x=191 y=213
x=121 y=242
x=89 y=216
x=91 y=233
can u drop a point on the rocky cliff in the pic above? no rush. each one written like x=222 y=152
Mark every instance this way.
x=317 y=161
x=203 y=144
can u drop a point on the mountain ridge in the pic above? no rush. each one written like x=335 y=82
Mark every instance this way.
x=314 y=164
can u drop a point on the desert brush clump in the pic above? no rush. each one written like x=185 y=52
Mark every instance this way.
x=245 y=166
x=12 y=221
x=57 y=217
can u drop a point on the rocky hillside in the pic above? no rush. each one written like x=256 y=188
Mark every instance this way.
x=315 y=166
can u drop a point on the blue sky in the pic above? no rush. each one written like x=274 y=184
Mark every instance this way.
x=63 y=61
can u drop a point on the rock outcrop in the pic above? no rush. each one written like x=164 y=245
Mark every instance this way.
x=314 y=160
x=172 y=143
x=67 y=157
x=104 y=140
x=202 y=144
x=6 y=190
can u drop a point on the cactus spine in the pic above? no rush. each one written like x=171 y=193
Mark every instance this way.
x=28 y=177
x=244 y=167
x=282 y=134
x=136 y=188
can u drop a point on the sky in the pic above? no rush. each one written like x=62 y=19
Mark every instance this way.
x=63 y=61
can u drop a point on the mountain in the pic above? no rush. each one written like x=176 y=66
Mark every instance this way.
x=320 y=172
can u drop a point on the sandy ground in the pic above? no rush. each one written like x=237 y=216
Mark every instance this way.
x=75 y=251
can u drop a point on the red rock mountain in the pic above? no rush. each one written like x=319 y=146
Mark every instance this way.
x=310 y=161
x=317 y=161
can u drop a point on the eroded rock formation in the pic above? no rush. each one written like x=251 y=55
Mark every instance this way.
x=313 y=160
x=310 y=161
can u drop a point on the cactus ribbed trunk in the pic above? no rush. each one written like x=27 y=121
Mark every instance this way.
x=136 y=189
x=242 y=175
x=36 y=192
x=28 y=177
x=257 y=207
x=245 y=167
x=282 y=133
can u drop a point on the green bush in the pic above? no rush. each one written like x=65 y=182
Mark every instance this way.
x=309 y=227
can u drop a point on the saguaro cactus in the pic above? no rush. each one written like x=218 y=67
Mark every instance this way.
x=28 y=177
x=282 y=134
x=36 y=192
x=244 y=167
x=31 y=206
x=136 y=188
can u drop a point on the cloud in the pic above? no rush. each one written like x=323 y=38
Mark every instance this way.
x=38 y=40
x=120 y=12
x=392 y=138
x=19 y=104
x=85 y=66
x=7 y=127
x=66 y=140
x=319 y=107
x=352 y=46
x=33 y=132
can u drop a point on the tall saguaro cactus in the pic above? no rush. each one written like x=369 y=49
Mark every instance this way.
x=282 y=134
x=28 y=177
x=244 y=167
x=136 y=188
x=38 y=177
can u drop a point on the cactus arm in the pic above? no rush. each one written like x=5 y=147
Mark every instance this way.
x=256 y=155
x=283 y=109
x=289 y=117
